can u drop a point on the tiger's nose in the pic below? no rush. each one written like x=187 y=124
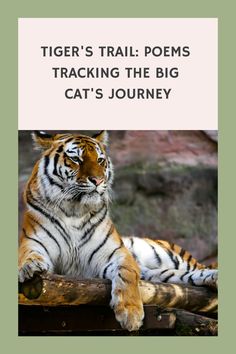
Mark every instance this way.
x=96 y=180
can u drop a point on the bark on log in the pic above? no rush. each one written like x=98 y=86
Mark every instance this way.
x=56 y=290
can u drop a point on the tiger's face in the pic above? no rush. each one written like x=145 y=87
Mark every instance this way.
x=74 y=168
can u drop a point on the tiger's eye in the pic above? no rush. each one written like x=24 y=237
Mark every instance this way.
x=75 y=159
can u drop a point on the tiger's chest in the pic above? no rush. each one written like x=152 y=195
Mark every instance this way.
x=83 y=237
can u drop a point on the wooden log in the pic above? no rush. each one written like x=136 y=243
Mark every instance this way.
x=193 y=298
x=191 y=324
x=57 y=290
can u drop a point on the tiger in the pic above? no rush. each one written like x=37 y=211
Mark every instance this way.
x=67 y=228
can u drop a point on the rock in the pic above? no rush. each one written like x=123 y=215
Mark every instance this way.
x=191 y=147
x=176 y=203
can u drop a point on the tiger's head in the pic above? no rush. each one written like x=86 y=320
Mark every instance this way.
x=73 y=168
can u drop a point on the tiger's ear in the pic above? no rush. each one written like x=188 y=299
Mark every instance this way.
x=42 y=140
x=102 y=137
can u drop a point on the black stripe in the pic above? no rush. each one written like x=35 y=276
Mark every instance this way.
x=105 y=270
x=109 y=175
x=188 y=260
x=113 y=252
x=164 y=271
x=37 y=241
x=190 y=280
x=173 y=259
x=64 y=235
x=90 y=232
x=36 y=263
x=64 y=159
x=27 y=272
x=123 y=279
x=207 y=276
x=29 y=198
x=158 y=258
x=55 y=172
x=60 y=149
x=51 y=181
x=183 y=275
x=45 y=190
x=101 y=244
x=71 y=152
x=39 y=209
x=46 y=163
x=194 y=266
x=43 y=212
x=60 y=171
x=48 y=233
x=134 y=255
x=96 y=224
x=182 y=252
x=32 y=226
x=131 y=241
x=69 y=140
x=168 y=277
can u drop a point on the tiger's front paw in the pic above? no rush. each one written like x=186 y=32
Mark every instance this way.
x=29 y=268
x=130 y=316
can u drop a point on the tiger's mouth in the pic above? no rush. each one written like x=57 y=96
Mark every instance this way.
x=89 y=192
x=93 y=193
x=90 y=200
x=83 y=193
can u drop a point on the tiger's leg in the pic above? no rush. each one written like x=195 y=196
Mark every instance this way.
x=125 y=296
x=32 y=259
x=121 y=268
x=161 y=261
x=36 y=252
x=198 y=277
